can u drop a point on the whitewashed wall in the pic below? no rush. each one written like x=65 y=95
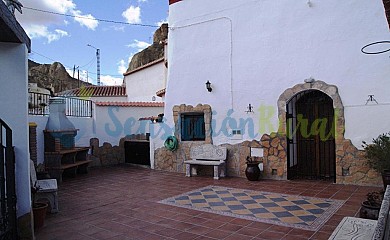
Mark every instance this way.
x=109 y=99
x=13 y=110
x=142 y=85
x=85 y=133
x=109 y=124
x=113 y=123
x=252 y=51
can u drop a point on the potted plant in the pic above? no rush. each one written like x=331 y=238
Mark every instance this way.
x=378 y=156
x=252 y=171
x=370 y=208
x=39 y=209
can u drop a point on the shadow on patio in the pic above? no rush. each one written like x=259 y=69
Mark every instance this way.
x=122 y=203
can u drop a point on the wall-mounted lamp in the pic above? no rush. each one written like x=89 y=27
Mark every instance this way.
x=250 y=109
x=208 y=86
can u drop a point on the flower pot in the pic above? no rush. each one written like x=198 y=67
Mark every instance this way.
x=386 y=178
x=368 y=211
x=252 y=171
x=39 y=211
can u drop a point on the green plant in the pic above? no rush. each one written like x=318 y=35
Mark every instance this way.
x=375 y=199
x=378 y=152
x=253 y=160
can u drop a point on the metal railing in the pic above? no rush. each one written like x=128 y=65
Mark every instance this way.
x=77 y=107
x=8 y=222
x=38 y=104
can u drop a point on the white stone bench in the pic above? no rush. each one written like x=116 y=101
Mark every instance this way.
x=363 y=229
x=208 y=155
x=46 y=189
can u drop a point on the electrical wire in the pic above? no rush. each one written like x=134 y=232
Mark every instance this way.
x=89 y=18
x=66 y=66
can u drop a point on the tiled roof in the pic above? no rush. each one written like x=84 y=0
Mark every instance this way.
x=131 y=104
x=96 y=91
x=386 y=3
x=161 y=92
x=143 y=66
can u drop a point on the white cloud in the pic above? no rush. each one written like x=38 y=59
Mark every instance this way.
x=132 y=14
x=139 y=45
x=30 y=19
x=122 y=67
x=115 y=28
x=142 y=1
x=86 y=20
x=162 y=22
x=39 y=31
x=110 y=80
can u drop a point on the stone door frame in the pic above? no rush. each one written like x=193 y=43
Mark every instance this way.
x=332 y=92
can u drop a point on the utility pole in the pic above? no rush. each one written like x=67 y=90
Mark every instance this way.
x=97 y=63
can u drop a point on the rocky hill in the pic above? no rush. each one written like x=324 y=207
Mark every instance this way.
x=153 y=52
x=46 y=75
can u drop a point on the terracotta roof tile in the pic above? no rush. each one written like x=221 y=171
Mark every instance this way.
x=95 y=91
x=131 y=104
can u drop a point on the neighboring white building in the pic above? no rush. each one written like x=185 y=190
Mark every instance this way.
x=292 y=62
x=38 y=99
x=143 y=83
x=14 y=48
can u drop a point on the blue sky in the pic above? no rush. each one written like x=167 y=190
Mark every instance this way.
x=64 y=39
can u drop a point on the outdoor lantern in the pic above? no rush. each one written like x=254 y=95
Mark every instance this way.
x=208 y=86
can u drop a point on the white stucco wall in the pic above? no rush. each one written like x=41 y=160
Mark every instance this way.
x=13 y=110
x=113 y=123
x=252 y=51
x=109 y=99
x=85 y=133
x=142 y=85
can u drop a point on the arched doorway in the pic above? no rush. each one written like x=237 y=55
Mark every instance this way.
x=310 y=129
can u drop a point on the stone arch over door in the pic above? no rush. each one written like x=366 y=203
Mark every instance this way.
x=332 y=92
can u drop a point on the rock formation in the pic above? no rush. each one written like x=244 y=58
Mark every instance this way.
x=47 y=75
x=153 y=52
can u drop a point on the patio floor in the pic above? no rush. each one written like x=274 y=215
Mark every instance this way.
x=122 y=203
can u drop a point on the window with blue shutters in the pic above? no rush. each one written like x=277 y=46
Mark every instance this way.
x=192 y=127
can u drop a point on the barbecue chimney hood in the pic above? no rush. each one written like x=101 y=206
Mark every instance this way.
x=60 y=131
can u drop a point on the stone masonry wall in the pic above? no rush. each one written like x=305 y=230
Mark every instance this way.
x=107 y=154
x=174 y=161
x=275 y=157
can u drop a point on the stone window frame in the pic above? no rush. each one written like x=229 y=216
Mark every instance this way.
x=183 y=108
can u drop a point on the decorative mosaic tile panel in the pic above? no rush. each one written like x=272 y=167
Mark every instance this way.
x=281 y=209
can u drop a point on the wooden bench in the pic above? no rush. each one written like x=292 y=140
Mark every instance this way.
x=208 y=155
x=72 y=160
x=359 y=228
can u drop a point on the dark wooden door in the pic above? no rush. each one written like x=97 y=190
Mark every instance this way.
x=311 y=148
x=137 y=152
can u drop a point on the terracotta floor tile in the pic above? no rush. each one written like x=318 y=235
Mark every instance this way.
x=271 y=235
x=122 y=202
x=230 y=227
x=218 y=234
x=199 y=230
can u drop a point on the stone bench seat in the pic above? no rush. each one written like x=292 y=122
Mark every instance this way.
x=207 y=155
x=363 y=229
